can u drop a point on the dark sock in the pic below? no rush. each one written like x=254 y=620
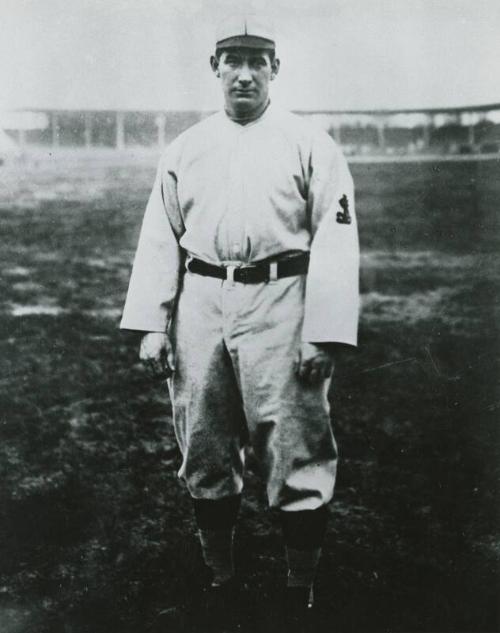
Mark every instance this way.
x=304 y=529
x=302 y=565
x=216 y=520
x=216 y=514
x=303 y=533
x=217 y=549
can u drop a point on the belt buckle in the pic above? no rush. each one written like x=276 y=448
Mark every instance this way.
x=230 y=273
x=273 y=271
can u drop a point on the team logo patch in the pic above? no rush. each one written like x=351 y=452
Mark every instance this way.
x=343 y=217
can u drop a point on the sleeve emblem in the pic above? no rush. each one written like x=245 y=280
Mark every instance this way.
x=344 y=217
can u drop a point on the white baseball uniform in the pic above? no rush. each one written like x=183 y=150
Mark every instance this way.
x=235 y=195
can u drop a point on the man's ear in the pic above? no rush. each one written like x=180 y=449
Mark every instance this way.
x=214 y=63
x=275 y=68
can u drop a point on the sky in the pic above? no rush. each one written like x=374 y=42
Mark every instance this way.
x=335 y=54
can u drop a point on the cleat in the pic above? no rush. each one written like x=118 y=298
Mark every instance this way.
x=213 y=610
x=220 y=606
x=298 y=605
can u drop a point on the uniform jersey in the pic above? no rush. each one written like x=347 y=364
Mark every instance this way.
x=235 y=195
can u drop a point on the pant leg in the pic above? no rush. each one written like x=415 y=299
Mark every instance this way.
x=208 y=417
x=289 y=421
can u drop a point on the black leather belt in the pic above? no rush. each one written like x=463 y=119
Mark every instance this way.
x=255 y=273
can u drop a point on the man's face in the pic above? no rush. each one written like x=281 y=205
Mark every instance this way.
x=245 y=74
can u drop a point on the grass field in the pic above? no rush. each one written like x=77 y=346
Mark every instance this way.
x=96 y=533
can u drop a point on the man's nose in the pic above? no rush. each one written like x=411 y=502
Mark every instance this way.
x=244 y=76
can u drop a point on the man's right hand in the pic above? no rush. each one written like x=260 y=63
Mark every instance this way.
x=157 y=354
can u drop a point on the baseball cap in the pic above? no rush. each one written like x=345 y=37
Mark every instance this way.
x=250 y=31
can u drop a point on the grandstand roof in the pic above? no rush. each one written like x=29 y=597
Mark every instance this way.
x=488 y=107
x=446 y=110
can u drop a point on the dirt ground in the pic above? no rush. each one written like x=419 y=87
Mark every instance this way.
x=96 y=532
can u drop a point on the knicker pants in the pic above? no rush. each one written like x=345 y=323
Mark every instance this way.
x=235 y=383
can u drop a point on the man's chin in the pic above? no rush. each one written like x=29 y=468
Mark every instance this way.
x=245 y=103
x=245 y=107
x=241 y=107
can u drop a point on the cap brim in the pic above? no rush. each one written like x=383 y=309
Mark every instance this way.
x=246 y=41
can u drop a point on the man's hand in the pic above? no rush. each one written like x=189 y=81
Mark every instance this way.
x=157 y=354
x=314 y=363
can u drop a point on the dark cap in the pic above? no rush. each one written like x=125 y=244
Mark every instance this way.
x=249 y=31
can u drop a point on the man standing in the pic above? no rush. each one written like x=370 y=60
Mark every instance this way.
x=245 y=282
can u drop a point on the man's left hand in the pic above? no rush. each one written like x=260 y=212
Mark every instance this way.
x=314 y=363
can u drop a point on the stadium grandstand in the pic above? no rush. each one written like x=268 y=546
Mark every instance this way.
x=362 y=133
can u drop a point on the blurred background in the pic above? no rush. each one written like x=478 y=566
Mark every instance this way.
x=96 y=533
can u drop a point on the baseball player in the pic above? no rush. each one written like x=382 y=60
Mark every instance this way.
x=245 y=282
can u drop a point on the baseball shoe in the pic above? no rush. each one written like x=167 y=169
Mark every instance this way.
x=298 y=607
x=285 y=610
x=216 y=609
x=224 y=608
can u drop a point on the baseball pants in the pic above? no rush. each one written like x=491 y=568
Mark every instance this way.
x=235 y=385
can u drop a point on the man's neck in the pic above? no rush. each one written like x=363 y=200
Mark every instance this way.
x=245 y=117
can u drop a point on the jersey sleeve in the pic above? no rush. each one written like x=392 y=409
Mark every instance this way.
x=155 y=278
x=332 y=288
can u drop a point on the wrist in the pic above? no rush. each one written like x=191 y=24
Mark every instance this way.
x=328 y=347
x=152 y=336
